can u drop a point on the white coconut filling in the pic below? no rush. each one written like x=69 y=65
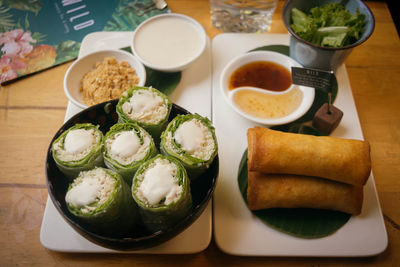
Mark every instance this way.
x=89 y=187
x=194 y=138
x=125 y=147
x=145 y=106
x=77 y=144
x=159 y=182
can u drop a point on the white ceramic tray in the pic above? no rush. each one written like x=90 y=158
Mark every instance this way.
x=192 y=93
x=236 y=230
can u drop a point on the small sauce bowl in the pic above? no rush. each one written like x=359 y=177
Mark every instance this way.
x=260 y=105
x=169 y=42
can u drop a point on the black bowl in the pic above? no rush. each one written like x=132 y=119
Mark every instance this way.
x=105 y=116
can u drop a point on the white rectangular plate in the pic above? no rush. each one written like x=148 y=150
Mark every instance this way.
x=236 y=230
x=194 y=94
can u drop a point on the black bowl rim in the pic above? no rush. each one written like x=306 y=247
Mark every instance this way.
x=360 y=41
x=129 y=243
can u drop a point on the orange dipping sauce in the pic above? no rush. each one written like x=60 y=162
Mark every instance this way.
x=268 y=106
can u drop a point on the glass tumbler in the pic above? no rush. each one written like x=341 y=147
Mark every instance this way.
x=242 y=15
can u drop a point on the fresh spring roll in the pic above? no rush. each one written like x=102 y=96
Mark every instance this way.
x=161 y=188
x=78 y=149
x=342 y=160
x=126 y=147
x=102 y=199
x=267 y=191
x=146 y=106
x=190 y=139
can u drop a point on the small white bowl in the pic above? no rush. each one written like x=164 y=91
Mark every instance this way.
x=169 y=42
x=78 y=69
x=285 y=61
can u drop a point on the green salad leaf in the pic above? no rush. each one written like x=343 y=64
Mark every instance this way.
x=330 y=25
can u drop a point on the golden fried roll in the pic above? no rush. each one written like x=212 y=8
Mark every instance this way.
x=292 y=191
x=337 y=159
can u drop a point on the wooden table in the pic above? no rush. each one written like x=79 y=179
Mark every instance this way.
x=33 y=108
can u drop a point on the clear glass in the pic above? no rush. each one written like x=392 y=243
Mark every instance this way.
x=242 y=15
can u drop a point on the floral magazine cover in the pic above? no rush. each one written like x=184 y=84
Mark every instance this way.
x=38 y=34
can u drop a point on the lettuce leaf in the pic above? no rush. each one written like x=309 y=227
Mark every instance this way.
x=330 y=25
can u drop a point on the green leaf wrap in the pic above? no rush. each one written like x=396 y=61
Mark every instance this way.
x=94 y=158
x=117 y=215
x=155 y=129
x=127 y=171
x=160 y=216
x=168 y=146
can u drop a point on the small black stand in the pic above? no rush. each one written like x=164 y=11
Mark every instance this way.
x=328 y=117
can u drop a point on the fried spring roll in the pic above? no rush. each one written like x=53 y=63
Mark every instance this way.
x=337 y=159
x=291 y=191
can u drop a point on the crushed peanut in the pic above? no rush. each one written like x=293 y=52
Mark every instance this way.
x=107 y=81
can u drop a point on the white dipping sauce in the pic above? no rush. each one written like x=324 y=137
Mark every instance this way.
x=190 y=136
x=159 y=183
x=168 y=41
x=126 y=144
x=78 y=140
x=84 y=193
x=146 y=101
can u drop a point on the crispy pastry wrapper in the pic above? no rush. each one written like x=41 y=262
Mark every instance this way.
x=342 y=160
x=293 y=191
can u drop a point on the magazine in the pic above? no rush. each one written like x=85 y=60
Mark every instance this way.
x=38 y=34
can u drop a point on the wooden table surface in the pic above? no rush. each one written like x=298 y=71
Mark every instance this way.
x=33 y=108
